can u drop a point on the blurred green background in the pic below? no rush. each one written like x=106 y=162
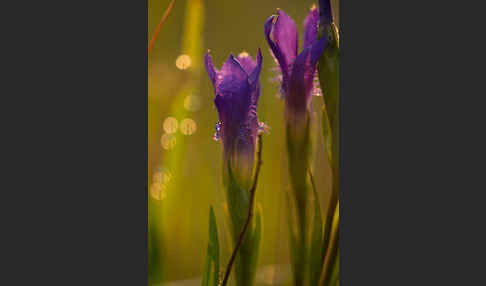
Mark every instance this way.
x=184 y=161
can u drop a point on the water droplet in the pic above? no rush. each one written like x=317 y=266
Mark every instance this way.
x=217 y=134
x=263 y=128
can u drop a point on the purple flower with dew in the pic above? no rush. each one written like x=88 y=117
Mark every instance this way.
x=298 y=71
x=237 y=89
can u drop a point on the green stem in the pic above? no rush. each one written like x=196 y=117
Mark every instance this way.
x=332 y=253
x=299 y=147
x=246 y=274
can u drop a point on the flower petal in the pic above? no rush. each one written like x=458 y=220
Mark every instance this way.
x=286 y=36
x=254 y=75
x=282 y=37
x=233 y=98
x=212 y=71
x=246 y=62
x=316 y=50
x=237 y=90
x=255 y=93
x=232 y=68
x=268 y=27
x=302 y=79
x=311 y=24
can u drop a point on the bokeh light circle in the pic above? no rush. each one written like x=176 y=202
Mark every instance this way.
x=183 y=62
x=170 y=125
x=188 y=126
x=168 y=141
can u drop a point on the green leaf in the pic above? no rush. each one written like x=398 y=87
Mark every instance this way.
x=211 y=267
x=329 y=80
x=329 y=73
x=316 y=242
x=326 y=129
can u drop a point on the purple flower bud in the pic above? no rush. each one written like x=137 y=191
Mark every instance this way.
x=325 y=12
x=237 y=89
x=298 y=70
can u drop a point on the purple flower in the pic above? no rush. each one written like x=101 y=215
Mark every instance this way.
x=237 y=89
x=298 y=70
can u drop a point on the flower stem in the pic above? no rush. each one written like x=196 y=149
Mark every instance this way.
x=159 y=26
x=332 y=250
x=250 y=213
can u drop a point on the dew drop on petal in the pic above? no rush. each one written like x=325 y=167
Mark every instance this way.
x=263 y=128
x=217 y=134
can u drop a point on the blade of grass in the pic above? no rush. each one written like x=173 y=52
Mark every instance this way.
x=316 y=240
x=159 y=26
x=332 y=251
x=211 y=268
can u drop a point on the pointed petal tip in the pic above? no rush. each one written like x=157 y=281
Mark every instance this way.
x=282 y=13
x=255 y=74
x=233 y=66
x=270 y=21
x=267 y=29
x=259 y=57
x=311 y=24
x=211 y=70
x=231 y=60
x=259 y=54
x=234 y=59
